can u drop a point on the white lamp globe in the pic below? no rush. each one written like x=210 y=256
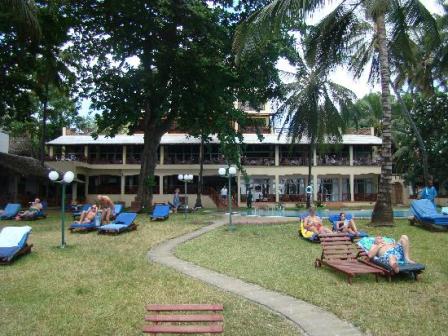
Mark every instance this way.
x=222 y=171
x=180 y=177
x=53 y=175
x=232 y=171
x=69 y=177
x=190 y=177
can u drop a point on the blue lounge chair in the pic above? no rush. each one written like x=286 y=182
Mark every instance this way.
x=85 y=207
x=123 y=222
x=161 y=211
x=425 y=214
x=41 y=213
x=13 y=243
x=86 y=227
x=11 y=211
x=410 y=269
x=118 y=209
x=334 y=218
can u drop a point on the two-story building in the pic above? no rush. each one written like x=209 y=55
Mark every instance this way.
x=276 y=171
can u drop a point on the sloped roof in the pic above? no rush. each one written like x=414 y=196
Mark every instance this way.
x=22 y=165
x=137 y=139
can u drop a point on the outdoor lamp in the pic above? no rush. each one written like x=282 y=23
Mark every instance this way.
x=232 y=171
x=222 y=172
x=229 y=173
x=66 y=179
x=186 y=178
x=180 y=177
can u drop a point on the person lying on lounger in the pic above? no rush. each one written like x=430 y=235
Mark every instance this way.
x=391 y=254
x=88 y=216
x=313 y=223
x=35 y=207
x=107 y=207
x=346 y=225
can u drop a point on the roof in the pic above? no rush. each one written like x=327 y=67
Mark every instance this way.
x=23 y=165
x=171 y=139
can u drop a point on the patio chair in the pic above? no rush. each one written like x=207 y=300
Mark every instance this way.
x=11 y=210
x=161 y=211
x=339 y=253
x=85 y=207
x=13 y=243
x=334 y=218
x=409 y=269
x=123 y=222
x=426 y=215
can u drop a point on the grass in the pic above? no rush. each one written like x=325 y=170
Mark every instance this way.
x=99 y=285
x=274 y=257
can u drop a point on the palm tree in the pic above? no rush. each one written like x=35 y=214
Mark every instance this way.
x=23 y=14
x=354 y=34
x=314 y=109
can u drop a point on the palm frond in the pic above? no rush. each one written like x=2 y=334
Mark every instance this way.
x=25 y=11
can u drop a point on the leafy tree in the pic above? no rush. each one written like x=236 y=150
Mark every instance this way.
x=182 y=63
x=342 y=37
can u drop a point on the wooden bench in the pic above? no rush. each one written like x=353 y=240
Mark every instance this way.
x=211 y=323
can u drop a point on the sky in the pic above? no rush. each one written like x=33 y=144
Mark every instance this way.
x=341 y=76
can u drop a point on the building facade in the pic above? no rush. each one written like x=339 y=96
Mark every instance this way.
x=276 y=171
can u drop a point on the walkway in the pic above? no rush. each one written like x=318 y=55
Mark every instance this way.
x=311 y=320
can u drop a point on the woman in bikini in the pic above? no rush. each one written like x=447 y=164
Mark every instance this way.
x=314 y=223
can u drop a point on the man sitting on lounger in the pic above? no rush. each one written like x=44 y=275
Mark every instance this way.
x=88 y=216
x=107 y=207
x=391 y=253
x=346 y=225
x=313 y=223
x=35 y=207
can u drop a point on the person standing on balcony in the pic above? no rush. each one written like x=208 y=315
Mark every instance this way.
x=429 y=192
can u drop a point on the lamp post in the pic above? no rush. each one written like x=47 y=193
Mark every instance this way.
x=66 y=179
x=186 y=178
x=229 y=172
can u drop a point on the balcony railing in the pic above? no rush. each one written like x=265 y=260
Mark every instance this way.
x=333 y=161
x=66 y=157
x=179 y=158
x=253 y=129
x=365 y=161
x=105 y=161
x=263 y=161
x=299 y=161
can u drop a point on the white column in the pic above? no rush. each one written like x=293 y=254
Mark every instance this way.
x=123 y=180
x=161 y=184
x=277 y=155
x=315 y=187
x=277 y=191
x=351 y=154
x=50 y=151
x=63 y=151
x=74 y=191
x=162 y=155
x=314 y=157
x=125 y=150
x=86 y=151
x=340 y=188
x=352 y=187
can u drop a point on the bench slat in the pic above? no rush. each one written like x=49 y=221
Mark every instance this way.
x=171 y=329
x=185 y=318
x=185 y=307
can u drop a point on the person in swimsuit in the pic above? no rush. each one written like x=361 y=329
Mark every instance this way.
x=89 y=215
x=391 y=254
x=107 y=207
x=35 y=207
x=346 y=225
x=314 y=223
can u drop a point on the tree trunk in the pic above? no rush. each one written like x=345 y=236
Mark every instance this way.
x=152 y=137
x=44 y=126
x=420 y=141
x=200 y=178
x=310 y=164
x=382 y=212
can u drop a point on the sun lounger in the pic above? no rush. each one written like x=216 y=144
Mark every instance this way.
x=161 y=211
x=339 y=253
x=336 y=218
x=86 y=227
x=118 y=209
x=425 y=214
x=85 y=207
x=11 y=211
x=41 y=213
x=123 y=222
x=410 y=269
x=13 y=243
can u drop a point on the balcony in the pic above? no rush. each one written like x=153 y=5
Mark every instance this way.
x=254 y=129
x=293 y=161
x=262 y=161
x=365 y=160
x=181 y=158
x=333 y=160
x=67 y=157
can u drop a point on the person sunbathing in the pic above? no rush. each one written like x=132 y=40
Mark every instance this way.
x=35 y=207
x=313 y=223
x=391 y=254
x=346 y=225
x=88 y=216
x=107 y=207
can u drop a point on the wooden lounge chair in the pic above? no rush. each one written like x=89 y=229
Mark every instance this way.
x=164 y=315
x=339 y=253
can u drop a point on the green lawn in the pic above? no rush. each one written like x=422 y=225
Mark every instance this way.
x=99 y=285
x=274 y=257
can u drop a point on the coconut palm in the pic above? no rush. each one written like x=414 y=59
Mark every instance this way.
x=23 y=14
x=314 y=109
x=354 y=34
